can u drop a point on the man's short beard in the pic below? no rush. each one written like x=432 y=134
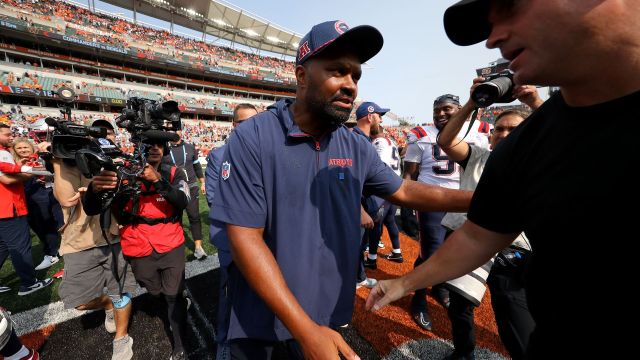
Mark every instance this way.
x=334 y=115
x=375 y=130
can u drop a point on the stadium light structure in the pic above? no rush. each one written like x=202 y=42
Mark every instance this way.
x=274 y=39
x=221 y=22
x=250 y=32
x=192 y=12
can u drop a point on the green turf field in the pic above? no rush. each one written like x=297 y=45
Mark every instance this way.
x=8 y=277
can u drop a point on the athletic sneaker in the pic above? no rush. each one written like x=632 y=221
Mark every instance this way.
x=370 y=263
x=47 y=262
x=32 y=355
x=122 y=348
x=380 y=244
x=39 y=284
x=199 y=253
x=109 y=321
x=422 y=319
x=368 y=282
x=396 y=257
x=4 y=288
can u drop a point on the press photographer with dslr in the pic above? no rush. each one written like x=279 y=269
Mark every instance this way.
x=504 y=276
x=152 y=237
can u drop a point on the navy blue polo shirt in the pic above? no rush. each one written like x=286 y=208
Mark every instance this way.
x=305 y=193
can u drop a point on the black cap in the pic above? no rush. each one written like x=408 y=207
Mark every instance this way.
x=103 y=122
x=365 y=40
x=467 y=22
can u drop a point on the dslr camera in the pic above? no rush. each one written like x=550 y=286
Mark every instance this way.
x=497 y=87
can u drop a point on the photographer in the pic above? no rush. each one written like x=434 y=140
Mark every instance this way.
x=88 y=260
x=152 y=237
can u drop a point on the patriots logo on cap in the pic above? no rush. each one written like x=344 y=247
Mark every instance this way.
x=226 y=170
x=341 y=26
x=303 y=50
x=370 y=109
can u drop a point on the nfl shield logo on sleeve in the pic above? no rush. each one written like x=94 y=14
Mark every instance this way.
x=226 y=170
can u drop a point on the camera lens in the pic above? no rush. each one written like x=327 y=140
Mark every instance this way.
x=491 y=91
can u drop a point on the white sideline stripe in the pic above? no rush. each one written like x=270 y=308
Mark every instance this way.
x=35 y=319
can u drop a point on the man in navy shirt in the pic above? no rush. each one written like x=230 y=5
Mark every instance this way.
x=218 y=230
x=289 y=191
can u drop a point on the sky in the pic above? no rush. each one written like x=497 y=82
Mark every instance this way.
x=417 y=62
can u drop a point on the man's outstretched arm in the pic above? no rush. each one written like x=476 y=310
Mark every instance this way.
x=466 y=249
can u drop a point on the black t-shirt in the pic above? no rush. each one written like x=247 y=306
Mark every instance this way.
x=563 y=177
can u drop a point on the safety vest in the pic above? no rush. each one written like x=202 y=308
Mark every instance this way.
x=150 y=222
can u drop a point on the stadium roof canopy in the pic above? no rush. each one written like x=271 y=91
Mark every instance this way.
x=221 y=20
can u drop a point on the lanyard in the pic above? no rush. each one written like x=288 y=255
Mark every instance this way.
x=184 y=156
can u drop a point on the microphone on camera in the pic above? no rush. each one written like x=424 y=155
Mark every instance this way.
x=51 y=121
x=160 y=136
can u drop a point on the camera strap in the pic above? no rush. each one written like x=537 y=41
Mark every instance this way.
x=474 y=115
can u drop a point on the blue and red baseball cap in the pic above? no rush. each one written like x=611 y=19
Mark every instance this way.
x=365 y=40
x=367 y=108
x=467 y=22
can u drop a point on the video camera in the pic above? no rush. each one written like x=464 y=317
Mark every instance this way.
x=87 y=147
x=68 y=137
x=497 y=87
x=148 y=122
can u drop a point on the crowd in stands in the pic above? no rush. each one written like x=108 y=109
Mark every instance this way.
x=32 y=80
x=78 y=22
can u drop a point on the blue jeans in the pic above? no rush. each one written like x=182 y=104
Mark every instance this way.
x=15 y=240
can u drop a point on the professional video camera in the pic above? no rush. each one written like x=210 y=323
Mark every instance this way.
x=69 y=137
x=148 y=122
x=497 y=87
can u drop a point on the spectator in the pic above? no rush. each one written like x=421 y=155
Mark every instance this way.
x=15 y=239
x=45 y=214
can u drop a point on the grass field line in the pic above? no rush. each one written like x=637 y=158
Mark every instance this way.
x=34 y=319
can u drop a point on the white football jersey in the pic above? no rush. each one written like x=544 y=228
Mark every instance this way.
x=435 y=166
x=388 y=152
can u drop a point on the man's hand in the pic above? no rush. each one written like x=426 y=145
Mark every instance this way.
x=324 y=343
x=477 y=81
x=528 y=94
x=107 y=180
x=203 y=188
x=365 y=220
x=43 y=146
x=150 y=174
x=385 y=292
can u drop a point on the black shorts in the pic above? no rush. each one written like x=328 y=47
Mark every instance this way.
x=160 y=273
